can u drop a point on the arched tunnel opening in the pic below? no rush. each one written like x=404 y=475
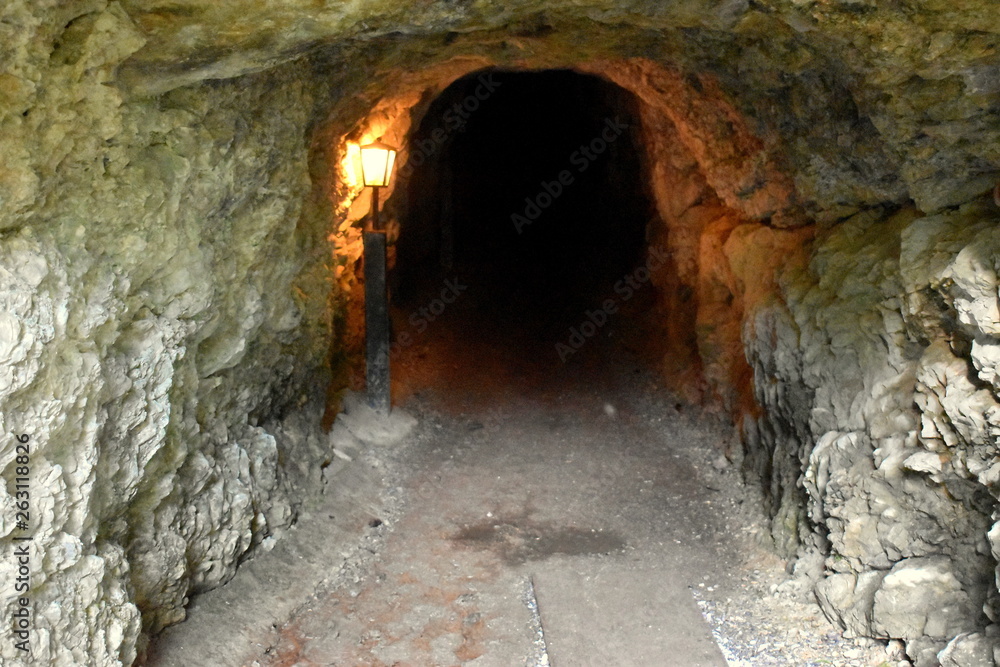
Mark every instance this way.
x=526 y=210
x=541 y=191
x=694 y=315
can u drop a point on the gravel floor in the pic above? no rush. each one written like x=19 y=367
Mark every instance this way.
x=523 y=460
x=618 y=459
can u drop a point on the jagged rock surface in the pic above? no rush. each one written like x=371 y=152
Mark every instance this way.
x=895 y=420
x=149 y=329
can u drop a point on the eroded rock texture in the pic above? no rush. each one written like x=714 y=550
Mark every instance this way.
x=154 y=304
x=178 y=267
x=884 y=336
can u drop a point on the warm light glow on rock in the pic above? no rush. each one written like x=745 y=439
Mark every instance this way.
x=351 y=166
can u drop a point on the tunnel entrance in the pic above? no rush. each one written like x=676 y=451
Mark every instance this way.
x=524 y=220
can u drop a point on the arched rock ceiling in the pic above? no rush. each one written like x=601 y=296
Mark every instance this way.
x=873 y=101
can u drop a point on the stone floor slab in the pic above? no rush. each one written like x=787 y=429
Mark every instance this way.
x=597 y=613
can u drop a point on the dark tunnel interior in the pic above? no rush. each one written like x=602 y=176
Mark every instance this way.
x=526 y=204
x=529 y=188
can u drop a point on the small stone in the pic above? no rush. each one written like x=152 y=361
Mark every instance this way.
x=968 y=650
x=895 y=650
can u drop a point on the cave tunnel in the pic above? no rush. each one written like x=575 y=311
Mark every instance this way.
x=535 y=204
x=694 y=305
x=542 y=188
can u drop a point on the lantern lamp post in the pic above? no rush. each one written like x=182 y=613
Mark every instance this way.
x=377 y=160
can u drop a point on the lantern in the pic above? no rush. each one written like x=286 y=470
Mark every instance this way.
x=377 y=160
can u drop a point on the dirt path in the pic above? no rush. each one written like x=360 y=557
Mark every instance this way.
x=606 y=477
x=554 y=509
x=547 y=509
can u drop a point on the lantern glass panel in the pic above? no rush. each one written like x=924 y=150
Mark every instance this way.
x=377 y=161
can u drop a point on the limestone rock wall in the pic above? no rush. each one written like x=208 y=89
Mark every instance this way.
x=157 y=312
x=873 y=363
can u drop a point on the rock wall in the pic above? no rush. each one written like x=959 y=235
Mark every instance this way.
x=159 y=309
x=874 y=364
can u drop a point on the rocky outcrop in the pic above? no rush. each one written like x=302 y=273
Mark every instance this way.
x=891 y=434
x=155 y=305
